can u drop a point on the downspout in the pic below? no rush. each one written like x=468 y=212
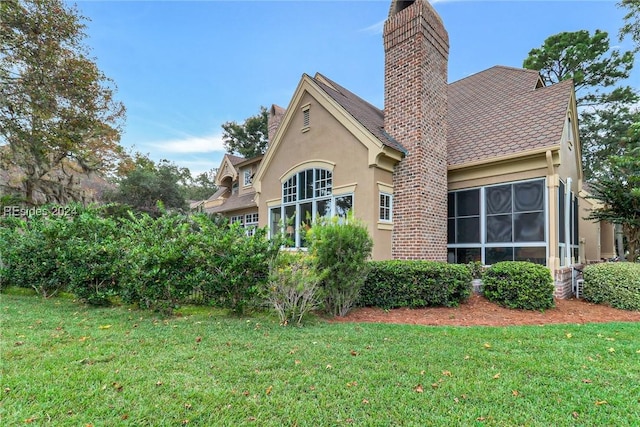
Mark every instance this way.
x=567 y=222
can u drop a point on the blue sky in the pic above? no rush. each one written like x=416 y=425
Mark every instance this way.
x=185 y=67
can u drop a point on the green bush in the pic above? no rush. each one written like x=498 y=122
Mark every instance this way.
x=402 y=283
x=519 y=284
x=238 y=264
x=170 y=258
x=342 y=248
x=92 y=257
x=616 y=284
x=294 y=286
x=32 y=258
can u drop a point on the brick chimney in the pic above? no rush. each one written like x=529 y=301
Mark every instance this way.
x=416 y=48
x=276 y=113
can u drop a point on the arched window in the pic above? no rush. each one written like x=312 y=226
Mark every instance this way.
x=306 y=195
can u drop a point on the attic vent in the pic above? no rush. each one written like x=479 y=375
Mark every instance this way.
x=305 y=117
x=570 y=136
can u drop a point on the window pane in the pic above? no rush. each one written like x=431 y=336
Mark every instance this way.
x=451 y=256
x=561 y=230
x=451 y=230
x=537 y=255
x=306 y=218
x=289 y=190
x=499 y=228
x=498 y=199
x=576 y=220
x=323 y=208
x=274 y=226
x=529 y=196
x=305 y=184
x=494 y=255
x=529 y=227
x=290 y=223
x=468 y=230
x=344 y=204
x=467 y=255
x=323 y=182
x=468 y=202
x=451 y=205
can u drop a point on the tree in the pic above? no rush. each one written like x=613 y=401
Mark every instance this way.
x=631 y=25
x=202 y=186
x=57 y=109
x=619 y=191
x=606 y=108
x=149 y=183
x=588 y=60
x=249 y=139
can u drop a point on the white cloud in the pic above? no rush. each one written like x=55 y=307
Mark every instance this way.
x=191 y=144
x=375 y=28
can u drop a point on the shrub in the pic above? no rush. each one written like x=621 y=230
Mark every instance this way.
x=92 y=258
x=294 y=286
x=156 y=272
x=519 y=284
x=239 y=265
x=33 y=257
x=392 y=284
x=616 y=284
x=342 y=250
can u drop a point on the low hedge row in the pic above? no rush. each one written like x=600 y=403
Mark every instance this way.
x=616 y=284
x=400 y=283
x=519 y=284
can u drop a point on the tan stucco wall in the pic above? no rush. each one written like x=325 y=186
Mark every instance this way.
x=329 y=144
x=589 y=231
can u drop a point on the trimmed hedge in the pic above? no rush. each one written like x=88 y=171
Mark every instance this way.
x=519 y=284
x=616 y=284
x=414 y=284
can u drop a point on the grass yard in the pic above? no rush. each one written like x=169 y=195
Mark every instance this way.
x=64 y=364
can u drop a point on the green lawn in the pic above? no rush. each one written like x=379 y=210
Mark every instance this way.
x=65 y=364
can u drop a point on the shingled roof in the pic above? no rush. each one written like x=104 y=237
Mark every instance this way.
x=366 y=114
x=493 y=113
x=502 y=111
x=235 y=202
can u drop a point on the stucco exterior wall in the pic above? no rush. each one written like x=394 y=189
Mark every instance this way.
x=327 y=144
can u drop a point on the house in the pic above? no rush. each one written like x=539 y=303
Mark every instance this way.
x=486 y=168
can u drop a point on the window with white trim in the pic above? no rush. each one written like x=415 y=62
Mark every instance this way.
x=306 y=195
x=251 y=223
x=246 y=177
x=505 y=222
x=237 y=218
x=568 y=245
x=385 y=207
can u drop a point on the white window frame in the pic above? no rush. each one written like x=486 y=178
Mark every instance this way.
x=386 y=207
x=246 y=177
x=320 y=191
x=483 y=244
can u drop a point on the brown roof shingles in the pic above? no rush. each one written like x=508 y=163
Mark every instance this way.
x=369 y=116
x=499 y=111
x=235 y=202
x=493 y=113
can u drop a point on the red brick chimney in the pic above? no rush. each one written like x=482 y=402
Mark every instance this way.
x=416 y=48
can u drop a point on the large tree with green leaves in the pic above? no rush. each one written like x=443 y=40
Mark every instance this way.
x=619 y=191
x=631 y=25
x=146 y=185
x=249 y=139
x=57 y=109
x=606 y=107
